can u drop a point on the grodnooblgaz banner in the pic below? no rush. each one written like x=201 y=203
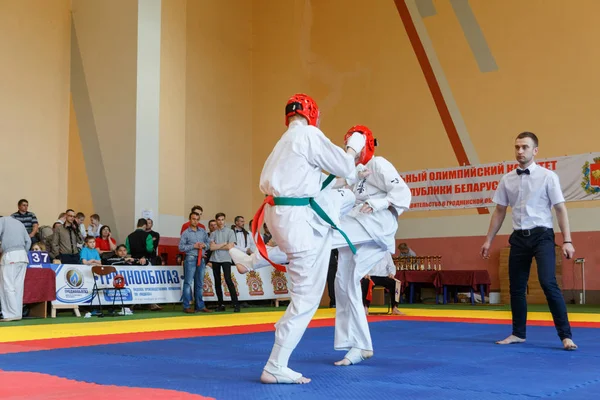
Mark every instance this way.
x=143 y=284
x=474 y=185
x=156 y=284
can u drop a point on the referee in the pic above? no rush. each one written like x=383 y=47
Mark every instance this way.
x=531 y=191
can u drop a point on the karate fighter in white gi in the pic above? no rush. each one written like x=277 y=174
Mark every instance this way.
x=291 y=179
x=13 y=266
x=381 y=196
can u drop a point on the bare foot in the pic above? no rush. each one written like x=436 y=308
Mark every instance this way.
x=241 y=269
x=267 y=377
x=512 y=339
x=351 y=359
x=395 y=311
x=568 y=344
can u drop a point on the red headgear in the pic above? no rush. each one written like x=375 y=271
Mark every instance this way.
x=367 y=152
x=304 y=105
x=119 y=281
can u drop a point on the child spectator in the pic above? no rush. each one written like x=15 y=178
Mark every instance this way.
x=95 y=226
x=38 y=247
x=89 y=255
x=122 y=258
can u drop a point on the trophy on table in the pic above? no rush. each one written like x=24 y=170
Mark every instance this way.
x=428 y=263
x=439 y=263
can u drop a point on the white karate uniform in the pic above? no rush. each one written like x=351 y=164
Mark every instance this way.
x=389 y=196
x=12 y=283
x=372 y=234
x=13 y=266
x=294 y=169
x=335 y=203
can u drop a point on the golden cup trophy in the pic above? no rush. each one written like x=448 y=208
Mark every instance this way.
x=398 y=263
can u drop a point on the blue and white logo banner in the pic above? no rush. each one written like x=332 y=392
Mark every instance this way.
x=143 y=284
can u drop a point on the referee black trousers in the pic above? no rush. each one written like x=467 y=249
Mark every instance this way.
x=524 y=246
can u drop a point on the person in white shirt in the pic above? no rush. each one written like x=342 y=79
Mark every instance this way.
x=243 y=238
x=531 y=191
x=291 y=179
x=383 y=274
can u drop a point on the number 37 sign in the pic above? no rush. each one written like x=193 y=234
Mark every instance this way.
x=37 y=258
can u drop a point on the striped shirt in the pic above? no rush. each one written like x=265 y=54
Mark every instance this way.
x=28 y=219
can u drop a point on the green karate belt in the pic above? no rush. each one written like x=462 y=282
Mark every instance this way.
x=310 y=201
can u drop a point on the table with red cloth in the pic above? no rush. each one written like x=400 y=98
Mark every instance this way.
x=441 y=280
x=409 y=278
x=40 y=287
x=474 y=279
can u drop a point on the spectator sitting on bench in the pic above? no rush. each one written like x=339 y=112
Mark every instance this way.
x=38 y=247
x=122 y=258
x=89 y=255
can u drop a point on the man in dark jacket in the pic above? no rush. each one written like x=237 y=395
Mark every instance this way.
x=139 y=243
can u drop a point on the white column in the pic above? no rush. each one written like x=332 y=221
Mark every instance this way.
x=148 y=108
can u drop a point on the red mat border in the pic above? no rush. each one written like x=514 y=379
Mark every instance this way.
x=82 y=341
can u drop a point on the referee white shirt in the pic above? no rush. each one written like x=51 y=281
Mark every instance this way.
x=244 y=242
x=531 y=196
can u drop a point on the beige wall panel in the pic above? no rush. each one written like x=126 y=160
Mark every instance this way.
x=34 y=105
x=172 y=108
x=107 y=36
x=218 y=152
x=79 y=195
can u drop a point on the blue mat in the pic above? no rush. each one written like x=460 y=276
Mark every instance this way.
x=413 y=360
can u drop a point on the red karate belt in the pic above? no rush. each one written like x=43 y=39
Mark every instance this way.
x=200 y=255
x=369 y=296
x=257 y=222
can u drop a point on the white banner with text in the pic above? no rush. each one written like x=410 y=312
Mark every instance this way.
x=473 y=186
x=158 y=284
